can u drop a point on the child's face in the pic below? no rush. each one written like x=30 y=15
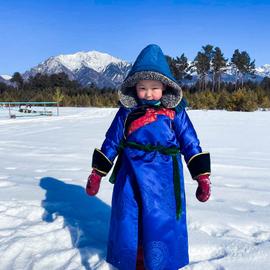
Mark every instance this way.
x=149 y=89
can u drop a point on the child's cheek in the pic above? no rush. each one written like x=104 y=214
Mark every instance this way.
x=140 y=95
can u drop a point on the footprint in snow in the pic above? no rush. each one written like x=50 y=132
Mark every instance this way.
x=204 y=265
x=242 y=209
x=261 y=237
x=206 y=253
x=214 y=230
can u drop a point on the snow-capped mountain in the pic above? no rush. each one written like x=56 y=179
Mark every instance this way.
x=230 y=75
x=6 y=80
x=258 y=75
x=2 y=80
x=263 y=71
x=6 y=77
x=90 y=67
x=104 y=70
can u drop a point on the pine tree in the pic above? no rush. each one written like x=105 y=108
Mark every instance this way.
x=182 y=66
x=202 y=63
x=265 y=84
x=242 y=64
x=248 y=66
x=236 y=63
x=172 y=66
x=219 y=66
x=18 y=79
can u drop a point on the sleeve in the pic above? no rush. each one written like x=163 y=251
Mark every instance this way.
x=103 y=158
x=198 y=162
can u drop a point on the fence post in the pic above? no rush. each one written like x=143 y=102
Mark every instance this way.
x=9 y=110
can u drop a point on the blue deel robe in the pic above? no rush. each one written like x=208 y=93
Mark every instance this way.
x=143 y=202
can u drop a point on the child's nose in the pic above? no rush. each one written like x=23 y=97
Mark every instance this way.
x=148 y=93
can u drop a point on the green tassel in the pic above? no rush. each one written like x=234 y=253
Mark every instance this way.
x=117 y=165
x=113 y=176
x=177 y=188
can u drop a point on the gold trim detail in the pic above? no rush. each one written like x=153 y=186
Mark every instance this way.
x=103 y=155
x=202 y=153
x=206 y=173
x=100 y=171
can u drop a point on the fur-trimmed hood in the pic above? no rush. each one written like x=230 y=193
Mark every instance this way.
x=151 y=64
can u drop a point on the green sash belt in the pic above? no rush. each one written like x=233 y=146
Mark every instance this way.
x=172 y=151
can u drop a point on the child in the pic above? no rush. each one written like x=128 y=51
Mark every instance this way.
x=148 y=219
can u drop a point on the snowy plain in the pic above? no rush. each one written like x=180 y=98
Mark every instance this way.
x=48 y=222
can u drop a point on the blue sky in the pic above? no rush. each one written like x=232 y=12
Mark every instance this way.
x=33 y=30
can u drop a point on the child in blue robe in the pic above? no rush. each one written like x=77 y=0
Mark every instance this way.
x=149 y=133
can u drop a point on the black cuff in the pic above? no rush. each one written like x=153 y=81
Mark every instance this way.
x=199 y=164
x=100 y=162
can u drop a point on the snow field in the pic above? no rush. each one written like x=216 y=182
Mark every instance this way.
x=48 y=222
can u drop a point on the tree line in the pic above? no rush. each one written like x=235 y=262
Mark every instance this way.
x=209 y=91
x=210 y=61
x=56 y=87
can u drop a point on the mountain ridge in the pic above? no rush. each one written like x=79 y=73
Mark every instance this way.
x=105 y=70
x=89 y=67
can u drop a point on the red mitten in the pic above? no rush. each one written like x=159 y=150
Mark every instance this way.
x=93 y=183
x=203 y=191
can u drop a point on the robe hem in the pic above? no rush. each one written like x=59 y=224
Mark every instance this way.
x=182 y=265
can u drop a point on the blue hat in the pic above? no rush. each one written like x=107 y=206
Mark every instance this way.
x=151 y=64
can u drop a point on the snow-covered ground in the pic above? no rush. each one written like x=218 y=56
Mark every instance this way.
x=48 y=222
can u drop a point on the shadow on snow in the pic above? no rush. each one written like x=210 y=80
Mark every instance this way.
x=87 y=218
